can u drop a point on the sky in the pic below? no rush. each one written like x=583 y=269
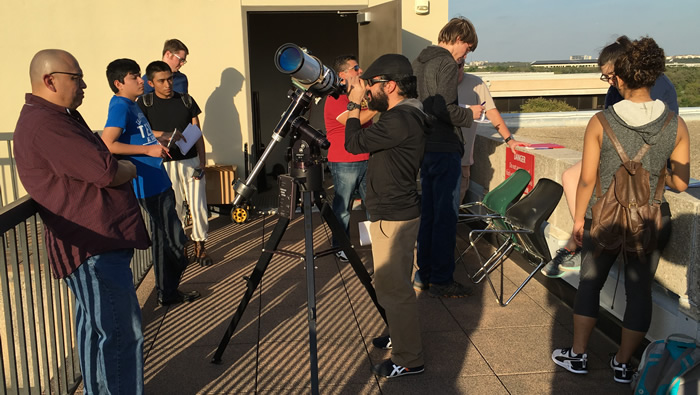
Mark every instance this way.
x=529 y=30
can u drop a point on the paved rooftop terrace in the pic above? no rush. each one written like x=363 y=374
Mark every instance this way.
x=472 y=345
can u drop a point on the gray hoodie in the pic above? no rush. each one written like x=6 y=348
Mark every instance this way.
x=436 y=71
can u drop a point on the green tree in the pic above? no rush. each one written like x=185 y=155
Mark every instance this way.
x=540 y=104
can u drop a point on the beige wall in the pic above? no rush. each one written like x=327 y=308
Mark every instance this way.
x=420 y=31
x=214 y=30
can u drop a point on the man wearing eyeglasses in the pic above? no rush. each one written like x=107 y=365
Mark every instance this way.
x=436 y=70
x=92 y=221
x=348 y=170
x=175 y=55
x=395 y=144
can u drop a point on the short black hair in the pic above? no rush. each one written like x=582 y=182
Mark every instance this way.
x=120 y=68
x=341 y=61
x=156 y=67
x=407 y=83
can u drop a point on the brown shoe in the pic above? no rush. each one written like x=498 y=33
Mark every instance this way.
x=201 y=255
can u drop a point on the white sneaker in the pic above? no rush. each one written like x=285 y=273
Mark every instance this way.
x=341 y=255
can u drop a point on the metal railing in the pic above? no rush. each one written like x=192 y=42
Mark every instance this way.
x=37 y=341
x=9 y=181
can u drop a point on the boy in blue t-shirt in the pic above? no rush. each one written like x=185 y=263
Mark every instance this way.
x=127 y=133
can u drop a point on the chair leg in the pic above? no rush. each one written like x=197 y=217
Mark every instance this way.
x=492 y=262
x=471 y=245
x=499 y=262
x=527 y=280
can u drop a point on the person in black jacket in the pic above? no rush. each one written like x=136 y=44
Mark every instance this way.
x=441 y=170
x=395 y=145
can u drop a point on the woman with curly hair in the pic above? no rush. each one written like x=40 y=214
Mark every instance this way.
x=636 y=120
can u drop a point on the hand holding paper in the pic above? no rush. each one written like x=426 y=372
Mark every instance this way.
x=190 y=135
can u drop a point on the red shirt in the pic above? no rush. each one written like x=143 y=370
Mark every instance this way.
x=335 y=131
x=66 y=169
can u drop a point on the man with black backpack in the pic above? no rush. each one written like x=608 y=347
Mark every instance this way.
x=167 y=110
x=639 y=219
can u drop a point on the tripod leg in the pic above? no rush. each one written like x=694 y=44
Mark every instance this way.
x=310 y=289
x=355 y=261
x=252 y=282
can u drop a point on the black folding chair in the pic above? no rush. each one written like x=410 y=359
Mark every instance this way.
x=524 y=229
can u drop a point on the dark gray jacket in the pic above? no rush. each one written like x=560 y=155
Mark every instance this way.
x=436 y=71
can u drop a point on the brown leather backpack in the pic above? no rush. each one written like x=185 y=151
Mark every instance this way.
x=623 y=219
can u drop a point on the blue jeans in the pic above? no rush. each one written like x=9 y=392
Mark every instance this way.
x=108 y=324
x=169 y=259
x=347 y=176
x=440 y=177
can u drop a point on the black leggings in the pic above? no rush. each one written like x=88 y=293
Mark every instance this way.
x=638 y=278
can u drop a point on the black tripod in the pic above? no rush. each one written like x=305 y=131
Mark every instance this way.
x=306 y=174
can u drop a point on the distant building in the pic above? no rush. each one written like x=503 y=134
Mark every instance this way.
x=588 y=62
x=477 y=63
x=583 y=91
x=580 y=57
x=683 y=61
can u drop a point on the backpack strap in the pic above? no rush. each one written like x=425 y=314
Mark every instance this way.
x=618 y=147
x=613 y=139
x=148 y=99
x=186 y=100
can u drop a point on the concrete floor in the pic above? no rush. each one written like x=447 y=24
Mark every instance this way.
x=471 y=345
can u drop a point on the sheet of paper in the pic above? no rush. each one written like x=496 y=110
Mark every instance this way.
x=192 y=133
x=365 y=238
x=545 y=146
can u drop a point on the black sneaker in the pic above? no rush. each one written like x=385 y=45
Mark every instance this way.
x=574 y=363
x=450 y=290
x=552 y=270
x=566 y=259
x=382 y=342
x=622 y=372
x=390 y=370
x=178 y=297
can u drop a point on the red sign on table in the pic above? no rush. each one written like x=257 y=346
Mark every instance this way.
x=521 y=160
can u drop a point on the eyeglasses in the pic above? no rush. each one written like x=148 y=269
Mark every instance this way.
x=74 y=76
x=182 y=61
x=355 y=67
x=607 y=78
x=371 y=82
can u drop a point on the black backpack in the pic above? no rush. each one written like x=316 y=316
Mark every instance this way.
x=186 y=99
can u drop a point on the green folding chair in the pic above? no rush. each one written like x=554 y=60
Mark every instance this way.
x=492 y=209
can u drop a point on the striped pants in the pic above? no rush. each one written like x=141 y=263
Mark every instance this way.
x=191 y=190
x=108 y=324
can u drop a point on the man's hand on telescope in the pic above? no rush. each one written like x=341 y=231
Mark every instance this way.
x=356 y=90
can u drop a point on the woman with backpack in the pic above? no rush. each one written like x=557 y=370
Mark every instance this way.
x=647 y=133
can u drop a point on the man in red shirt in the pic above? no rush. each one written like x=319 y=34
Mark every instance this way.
x=348 y=170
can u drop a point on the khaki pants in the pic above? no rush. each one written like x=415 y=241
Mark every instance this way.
x=392 y=250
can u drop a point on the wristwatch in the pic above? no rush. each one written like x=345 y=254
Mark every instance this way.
x=508 y=139
x=353 y=106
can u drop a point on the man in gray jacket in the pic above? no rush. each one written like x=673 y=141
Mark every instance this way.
x=437 y=73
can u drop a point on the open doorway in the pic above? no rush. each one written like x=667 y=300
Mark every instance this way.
x=325 y=34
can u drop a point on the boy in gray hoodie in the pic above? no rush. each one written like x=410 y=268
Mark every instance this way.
x=436 y=70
